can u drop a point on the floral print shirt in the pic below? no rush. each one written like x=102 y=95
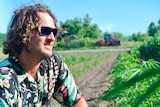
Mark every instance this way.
x=18 y=89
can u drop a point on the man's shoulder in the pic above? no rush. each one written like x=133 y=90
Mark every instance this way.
x=5 y=66
x=7 y=74
x=57 y=56
x=5 y=62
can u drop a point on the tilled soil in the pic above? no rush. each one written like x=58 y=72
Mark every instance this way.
x=94 y=82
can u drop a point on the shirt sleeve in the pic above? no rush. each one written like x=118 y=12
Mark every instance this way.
x=66 y=91
x=8 y=92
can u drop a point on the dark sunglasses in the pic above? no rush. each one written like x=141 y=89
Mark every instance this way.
x=46 y=31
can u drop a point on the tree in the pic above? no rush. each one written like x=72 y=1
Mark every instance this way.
x=152 y=29
x=81 y=29
x=87 y=20
x=91 y=31
x=117 y=35
x=139 y=37
x=2 y=38
x=72 y=26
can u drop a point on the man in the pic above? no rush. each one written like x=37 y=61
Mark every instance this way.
x=33 y=74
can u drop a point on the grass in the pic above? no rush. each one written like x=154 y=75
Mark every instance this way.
x=88 y=66
x=84 y=62
x=129 y=44
x=124 y=44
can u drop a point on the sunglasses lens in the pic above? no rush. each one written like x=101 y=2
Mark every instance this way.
x=54 y=32
x=45 y=31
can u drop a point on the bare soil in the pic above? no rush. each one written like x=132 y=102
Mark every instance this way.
x=94 y=82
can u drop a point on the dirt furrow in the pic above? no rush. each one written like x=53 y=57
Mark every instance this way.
x=94 y=83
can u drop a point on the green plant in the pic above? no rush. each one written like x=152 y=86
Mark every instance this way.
x=135 y=79
x=150 y=49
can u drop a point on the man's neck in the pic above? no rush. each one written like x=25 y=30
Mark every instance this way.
x=29 y=63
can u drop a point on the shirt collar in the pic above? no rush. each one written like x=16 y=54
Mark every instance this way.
x=16 y=65
x=22 y=75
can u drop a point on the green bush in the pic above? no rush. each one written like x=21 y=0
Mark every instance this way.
x=76 y=43
x=150 y=49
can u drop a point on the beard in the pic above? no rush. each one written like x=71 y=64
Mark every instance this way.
x=39 y=52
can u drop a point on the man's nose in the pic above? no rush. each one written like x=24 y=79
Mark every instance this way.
x=51 y=36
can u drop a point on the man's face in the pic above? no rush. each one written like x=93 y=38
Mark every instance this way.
x=41 y=44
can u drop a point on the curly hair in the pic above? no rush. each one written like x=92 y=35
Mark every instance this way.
x=24 y=21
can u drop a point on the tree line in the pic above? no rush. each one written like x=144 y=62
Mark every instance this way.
x=81 y=32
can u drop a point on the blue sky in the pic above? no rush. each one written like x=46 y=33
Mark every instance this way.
x=124 y=16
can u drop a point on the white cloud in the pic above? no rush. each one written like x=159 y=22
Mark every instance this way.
x=108 y=27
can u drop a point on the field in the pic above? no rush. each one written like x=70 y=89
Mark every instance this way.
x=91 y=74
x=94 y=80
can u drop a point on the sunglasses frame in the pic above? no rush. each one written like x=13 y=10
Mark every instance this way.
x=46 y=31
